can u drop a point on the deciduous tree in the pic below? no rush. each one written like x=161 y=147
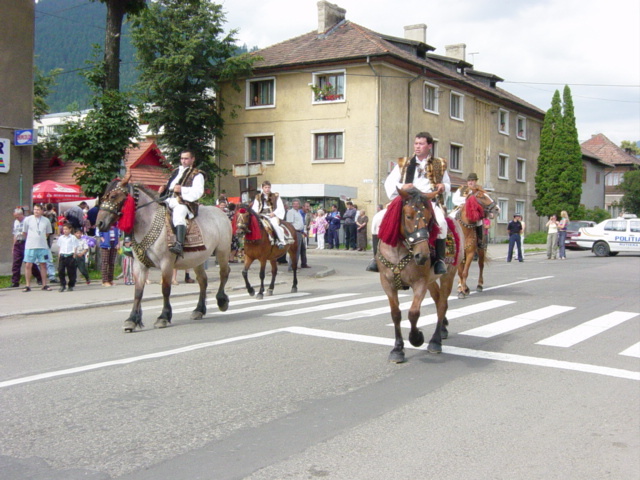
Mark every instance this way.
x=630 y=185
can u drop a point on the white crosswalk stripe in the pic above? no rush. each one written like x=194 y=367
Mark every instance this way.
x=318 y=308
x=632 y=351
x=457 y=312
x=582 y=332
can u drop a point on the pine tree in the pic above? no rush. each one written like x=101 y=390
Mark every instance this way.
x=548 y=137
x=569 y=184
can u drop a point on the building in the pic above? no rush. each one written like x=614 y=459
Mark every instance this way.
x=594 y=172
x=338 y=106
x=619 y=160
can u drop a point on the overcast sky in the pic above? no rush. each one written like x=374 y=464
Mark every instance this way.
x=537 y=46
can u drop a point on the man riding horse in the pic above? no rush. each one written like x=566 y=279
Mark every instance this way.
x=185 y=187
x=270 y=207
x=427 y=174
x=460 y=196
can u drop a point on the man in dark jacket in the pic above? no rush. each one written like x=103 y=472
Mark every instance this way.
x=515 y=229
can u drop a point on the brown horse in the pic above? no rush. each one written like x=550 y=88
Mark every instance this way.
x=141 y=207
x=404 y=260
x=258 y=246
x=477 y=206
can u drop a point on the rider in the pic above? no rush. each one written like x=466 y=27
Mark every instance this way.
x=460 y=196
x=427 y=174
x=185 y=187
x=269 y=205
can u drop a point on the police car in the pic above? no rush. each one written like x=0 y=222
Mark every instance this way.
x=611 y=236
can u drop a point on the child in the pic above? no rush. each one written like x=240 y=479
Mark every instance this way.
x=67 y=244
x=109 y=251
x=81 y=254
x=127 y=261
x=320 y=224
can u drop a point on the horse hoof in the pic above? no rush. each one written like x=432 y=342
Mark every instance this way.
x=479 y=288
x=161 y=323
x=434 y=348
x=294 y=290
x=396 y=357
x=223 y=306
x=259 y=296
x=251 y=291
x=195 y=315
x=444 y=333
x=269 y=293
x=416 y=338
x=129 y=326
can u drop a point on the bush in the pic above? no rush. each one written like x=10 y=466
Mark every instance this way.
x=535 y=238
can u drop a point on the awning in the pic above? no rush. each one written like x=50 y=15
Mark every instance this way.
x=315 y=190
x=50 y=191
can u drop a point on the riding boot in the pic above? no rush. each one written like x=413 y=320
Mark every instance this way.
x=439 y=266
x=181 y=232
x=373 y=266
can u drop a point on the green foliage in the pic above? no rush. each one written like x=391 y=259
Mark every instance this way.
x=42 y=87
x=630 y=185
x=535 y=238
x=559 y=174
x=596 y=215
x=99 y=141
x=630 y=146
x=184 y=54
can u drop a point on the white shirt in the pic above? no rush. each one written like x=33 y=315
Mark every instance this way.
x=18 y=228
x=420 y=180
x=279 y=211
x=295 y=218
x=376 y=221
x=67 y=244
x=37 y=230
x=192 y=193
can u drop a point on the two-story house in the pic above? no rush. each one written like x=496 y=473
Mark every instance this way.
x=328 y=113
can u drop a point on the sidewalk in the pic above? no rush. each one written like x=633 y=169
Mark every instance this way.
x=15 y=302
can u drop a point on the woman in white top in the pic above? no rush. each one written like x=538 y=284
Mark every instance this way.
x=552 y=237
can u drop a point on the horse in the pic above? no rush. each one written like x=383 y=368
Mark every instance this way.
x=122 y=201
x=258 y=246
x=408 y=263
x=477 y=206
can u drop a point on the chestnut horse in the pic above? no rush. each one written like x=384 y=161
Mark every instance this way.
x=257 y=246
x=404 y=260
x=477 y=206
x=150 y=249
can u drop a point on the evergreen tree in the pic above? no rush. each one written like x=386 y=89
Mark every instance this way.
x=183 y=56
x=546 y=159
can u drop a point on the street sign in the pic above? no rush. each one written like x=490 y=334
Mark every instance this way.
x=23 y=138
x=247 y=169
x=5 y=155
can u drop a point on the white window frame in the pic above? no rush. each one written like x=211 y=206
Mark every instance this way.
x=521 y=206
x=521 y=133
x=503 y=216
x=460 y=97
x=523 y=162
x=461 y=157
x=503 y=127
x=314 y=134
x=434 y=148
x=315 y=76
x=436 y=103
x=247 y=147
x=248 y=92
x=506 y=166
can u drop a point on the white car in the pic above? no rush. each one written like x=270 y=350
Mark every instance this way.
x=611 y=236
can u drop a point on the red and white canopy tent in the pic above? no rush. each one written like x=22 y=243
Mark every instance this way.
x=54 y=192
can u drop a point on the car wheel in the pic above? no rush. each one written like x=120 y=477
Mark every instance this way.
x=601 y=249
x=613 y=254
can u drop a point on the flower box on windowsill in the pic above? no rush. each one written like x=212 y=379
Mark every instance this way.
x=331 y=97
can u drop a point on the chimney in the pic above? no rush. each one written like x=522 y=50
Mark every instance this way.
x=329 y=15
x=417 y=32
x=459 y=51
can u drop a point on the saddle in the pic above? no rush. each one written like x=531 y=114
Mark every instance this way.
x=272 y=235
x=193 y=240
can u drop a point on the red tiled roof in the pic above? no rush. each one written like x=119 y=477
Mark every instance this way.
x=608 y=151
x=348 y=42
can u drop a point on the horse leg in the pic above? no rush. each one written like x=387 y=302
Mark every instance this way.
x=201 y=308
x=481 y=255
x=416 y=337
x=463 y=273
x=274 y=274
x=164 y=319
x=245 y=274
x=221 y=297
x=293 y=254
x=440 y=295
x=263 y=265
x=135 y=317
x=397 y=353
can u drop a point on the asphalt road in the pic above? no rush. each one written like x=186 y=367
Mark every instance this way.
x=540 y=378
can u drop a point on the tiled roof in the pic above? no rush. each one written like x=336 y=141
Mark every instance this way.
x=593 y=156
x=608 y=151
x=349 y=42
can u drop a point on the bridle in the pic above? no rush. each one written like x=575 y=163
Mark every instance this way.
x=418 y=234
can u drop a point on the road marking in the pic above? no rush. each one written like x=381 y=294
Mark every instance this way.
x=457 y=313
x=632 y=351
x=582 y=332
x=519 y=321
x=427 y=301
x=318 y=308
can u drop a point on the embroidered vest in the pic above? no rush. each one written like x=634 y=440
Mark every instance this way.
x=435 y=171
x=268 y=204
x=186 y=181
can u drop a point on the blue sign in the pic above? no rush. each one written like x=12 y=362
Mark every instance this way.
x=23 y=138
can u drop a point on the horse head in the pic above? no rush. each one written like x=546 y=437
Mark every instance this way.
x=416 y=224
x=112 y=202
x=489 y=207
x=242 y=220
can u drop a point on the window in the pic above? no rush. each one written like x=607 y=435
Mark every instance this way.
x=328 y=86
x=503 y=204
x=503 y=121
x=521 y=164
x=430 y=98
x=584 y=173
x=616 y=226
x=597 y=178
x=520 y=204
x=457 y=106
x=614 y=178
x=328 y=146
x=261 y=93
x=634 y=226
x=503 y=167
x=260 y=149
x=521 y=127
x=455 y=158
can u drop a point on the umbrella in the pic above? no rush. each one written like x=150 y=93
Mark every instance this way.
x=50 y=191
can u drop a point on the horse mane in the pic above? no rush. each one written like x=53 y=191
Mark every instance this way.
x=389 y=232
x=473 y=210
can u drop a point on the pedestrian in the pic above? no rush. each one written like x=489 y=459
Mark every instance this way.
x=320 y=225
x=361 y=224
x=333 y=232
x=552 y=238
x=18 y=249
x=37 y=229
x=515 y=229
x=562 y=233
x=350 y=227
x=127 y=261
x=294 y=217
x=67 y=245
x=109 y=251
x=80 y=254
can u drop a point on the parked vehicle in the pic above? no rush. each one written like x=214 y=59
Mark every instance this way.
x=611 y=236
x=573 y=229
